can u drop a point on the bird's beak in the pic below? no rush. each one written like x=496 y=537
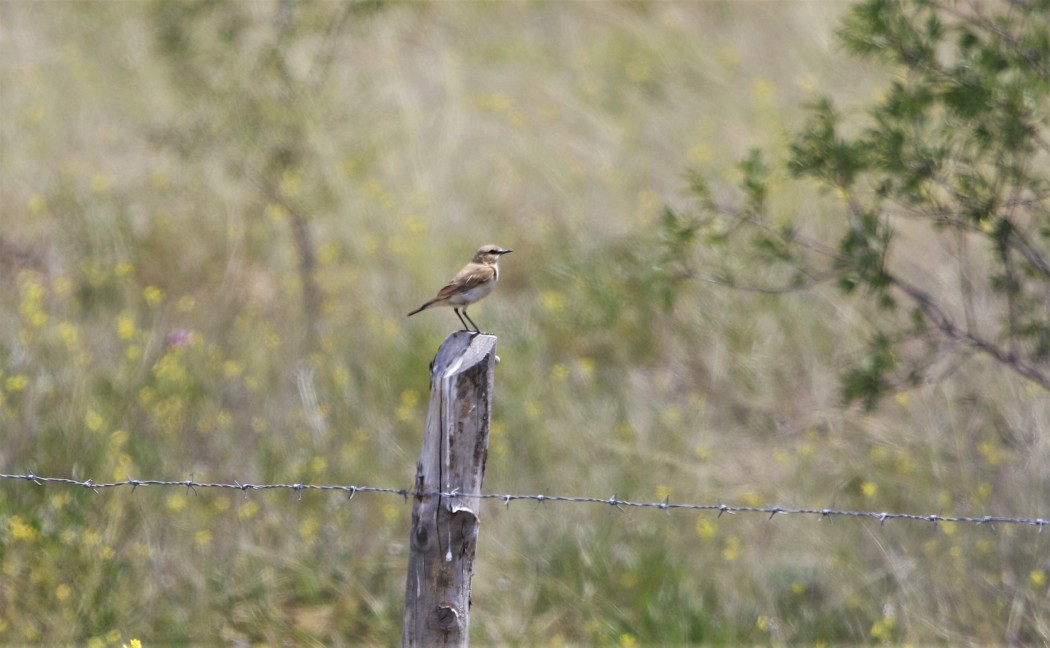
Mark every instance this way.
x=501 y=252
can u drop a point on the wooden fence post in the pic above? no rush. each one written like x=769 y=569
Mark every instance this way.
x=445 y=529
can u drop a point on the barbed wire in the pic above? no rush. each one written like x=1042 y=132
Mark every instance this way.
x=665 y=505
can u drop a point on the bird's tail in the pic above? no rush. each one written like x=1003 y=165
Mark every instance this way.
x=423 y=307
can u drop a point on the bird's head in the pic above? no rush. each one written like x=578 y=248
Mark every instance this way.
x=489 y=254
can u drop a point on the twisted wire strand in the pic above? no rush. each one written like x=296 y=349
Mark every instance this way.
x=614 y=501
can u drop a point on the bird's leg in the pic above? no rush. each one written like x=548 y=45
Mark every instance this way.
x=476 y=329
x=462 y=321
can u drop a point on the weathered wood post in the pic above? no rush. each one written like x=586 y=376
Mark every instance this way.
x=445 y=529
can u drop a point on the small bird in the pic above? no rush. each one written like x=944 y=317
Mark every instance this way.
x=472 y=283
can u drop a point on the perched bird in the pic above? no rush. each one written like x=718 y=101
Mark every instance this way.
x=473 y=282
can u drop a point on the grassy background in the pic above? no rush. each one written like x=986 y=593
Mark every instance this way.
x=156 y=161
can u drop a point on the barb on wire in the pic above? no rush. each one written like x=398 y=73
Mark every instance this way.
x=665 y=504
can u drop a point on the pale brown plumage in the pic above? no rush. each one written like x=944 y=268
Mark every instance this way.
x=475 y=281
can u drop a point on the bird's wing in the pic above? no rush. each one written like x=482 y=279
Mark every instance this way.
x=469 y=277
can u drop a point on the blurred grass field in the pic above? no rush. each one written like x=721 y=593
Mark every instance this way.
x=156 y=160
